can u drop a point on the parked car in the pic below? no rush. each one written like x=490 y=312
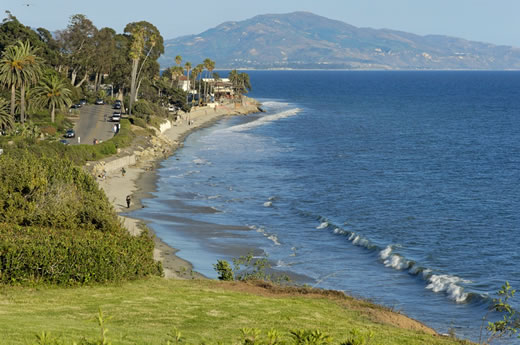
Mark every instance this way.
x=75 y=106
x=116 y=117
x=83 y=101
x=117 y=106
x=64 y=142
x=172 y=108
x=99 y=101
x=70 y=133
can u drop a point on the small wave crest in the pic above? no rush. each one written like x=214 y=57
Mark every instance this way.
x=265 y=119
x=269 y=236
x=268 y=203
x=322 y=225
x=451 y=285
x=200 y=161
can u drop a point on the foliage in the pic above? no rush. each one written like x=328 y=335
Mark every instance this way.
x=49 y=191
x=5 y=118
x=35 y=255
x=509 y=325
x=52 y=93
x=247 y=267
x=57 y=226
x=224 y=270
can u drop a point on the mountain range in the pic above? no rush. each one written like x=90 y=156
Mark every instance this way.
x=302 y=40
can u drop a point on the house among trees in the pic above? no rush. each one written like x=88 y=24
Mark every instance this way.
x=221 y=87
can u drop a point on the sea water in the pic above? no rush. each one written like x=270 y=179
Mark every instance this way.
x=399 y=187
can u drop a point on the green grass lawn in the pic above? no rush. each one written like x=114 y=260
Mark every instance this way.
x=143 y=312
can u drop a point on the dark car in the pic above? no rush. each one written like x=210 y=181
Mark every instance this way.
x=83 y=101
x=75 y=106
x=117 y=106
x=99 y=101
x=64 y=142
x=70 y=133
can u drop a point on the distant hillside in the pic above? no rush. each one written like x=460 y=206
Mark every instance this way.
x=305 y=40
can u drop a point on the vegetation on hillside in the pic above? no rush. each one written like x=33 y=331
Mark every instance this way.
x=57 y=226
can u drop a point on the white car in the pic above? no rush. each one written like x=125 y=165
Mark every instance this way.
x=116 y=117
x=171 y=107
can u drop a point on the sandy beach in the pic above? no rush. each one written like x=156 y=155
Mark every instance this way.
x=139 y=179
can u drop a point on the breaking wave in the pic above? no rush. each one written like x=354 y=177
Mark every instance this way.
x=451 y=286
x=264 y=120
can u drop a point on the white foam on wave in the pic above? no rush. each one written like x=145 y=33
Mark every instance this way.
x=265 y=119
x=281 y=263
x=268 y=203
x=385 y=253
x=449 y=285
x=269 y=236
x=274 y=104
x=211 y=197
x=322 y=225
x=200 y=161
x=274 y=239
x=397 y=262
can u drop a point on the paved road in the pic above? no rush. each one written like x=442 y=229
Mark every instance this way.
x=92 y=124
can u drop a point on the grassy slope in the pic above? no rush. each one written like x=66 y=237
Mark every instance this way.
x=144 y=311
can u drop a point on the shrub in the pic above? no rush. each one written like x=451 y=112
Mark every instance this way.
x=142 y=107
x=224 y=270
x=73 y=256
x=57 y=226
x=48 y=130
x=50 y=191
x=137 y=121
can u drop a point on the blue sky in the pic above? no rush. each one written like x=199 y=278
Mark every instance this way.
x=493 y=21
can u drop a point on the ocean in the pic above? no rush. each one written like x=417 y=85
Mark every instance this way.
x=399 y=187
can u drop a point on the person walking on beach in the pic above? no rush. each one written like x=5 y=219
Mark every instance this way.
x=128 y=199
x=123 y=171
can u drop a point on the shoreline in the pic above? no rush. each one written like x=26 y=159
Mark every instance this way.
x=140 y=179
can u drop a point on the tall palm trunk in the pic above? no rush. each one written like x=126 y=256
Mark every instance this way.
x=13 y=100
x=53 y=109
x=22 y=103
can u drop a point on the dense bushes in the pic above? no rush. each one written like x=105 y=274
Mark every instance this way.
x=40 y=190
x=73 y=256
x=57 y=226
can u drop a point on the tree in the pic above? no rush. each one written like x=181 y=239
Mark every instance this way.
x=187 y=67
x=178 y=60
x=20 y=67
x=78 y=47
x=52 y=93
x=6 y=120
x=147 y=43
x=105 y=47
x=197 y=73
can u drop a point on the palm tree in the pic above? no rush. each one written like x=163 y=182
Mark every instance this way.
x=187 y=67
x=20 y=67
x=234 y=79
x=178 y=60
x=197 y=72
x=52 y=93
x=6 y=121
